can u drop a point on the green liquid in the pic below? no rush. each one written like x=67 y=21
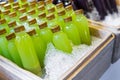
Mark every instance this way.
x=14 y=53
x=52 y=22
x=4 y=48
x=46 y=35
x=61 y=21
x=61 y=42
x=72 y=32
x=83 y=28
x=27 y=53
x=40 y=48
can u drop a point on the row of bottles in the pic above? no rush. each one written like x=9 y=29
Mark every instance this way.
x=26 y=31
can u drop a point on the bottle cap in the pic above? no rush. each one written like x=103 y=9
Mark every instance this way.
x=6 y=12
x=24 y=0
x=60 y=5
x=48 y=2
x=68 y=8
x=22 y=10
x=10 y=1
x=33 y=2
x=55 y=29
x=19 y=29
x=80 y=11
x=40 y=3
x=23 y=18
x=32 y=5
x=12 y=14
x=32 y=21
x=3 y=31
x=16 y=4
x=41 y=8
x=31 y=12
x=12 y=24
x=2 y=3
x=68 y=19
x=51 y=10
x=50 y=16
x=0 y=11
x=31 y=32
x=43 y=25
x=16 y=8
x=10 y=36
x=7 y=6
x=61 y=12
x=25 y=5
x=2 y=21
x=42 y=15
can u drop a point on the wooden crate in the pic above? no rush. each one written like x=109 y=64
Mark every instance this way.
x=9 y=71
x=116 y=31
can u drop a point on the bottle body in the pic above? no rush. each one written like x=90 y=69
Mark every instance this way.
x=61 y=42
x=72 y=32
x=27 y=53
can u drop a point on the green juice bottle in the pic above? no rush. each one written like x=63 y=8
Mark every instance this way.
x=4 y=44
x=8 y=7
x=41 y=9
x=60 y=6
x=52 y=11
x=32 y=14
x=40 y=3
x=61 y=16
x=60 y=40
x=13 y=17
x=39 y=46
x=45 y=33
x=12 y=25
x=22 y=11
x=2 y=5
x=82 y=24
x=3 y=24
x=23 y=20
x=33 y=24
x=70 y=12
x=52 y=21
x=5 y=15
x=49 y=4
x=71 y=30
x=16 y=9
x=13 y=50
x=26 y=51
x=15 y=4
x=42 y=17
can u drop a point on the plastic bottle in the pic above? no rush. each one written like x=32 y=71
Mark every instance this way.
x=7 y=7
x=5 y=15
x=13 y=16
x=24 y=21
x=39 y=46
x=40 y=3
x=13 y=50
x=82 y=24
x=42 y=17
x=49 y=4
x=61 y=16
x=52 y=21
x=60 y=6
x=16 y=9
x=45 y=32
x=12 y=25
x=26 y=51
x=3 y=24
x=70 y=12
x=3 y=44
x=71 y=30
x=60 y=40
x=41 y=9
x=32 y=14
x=52 y=10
